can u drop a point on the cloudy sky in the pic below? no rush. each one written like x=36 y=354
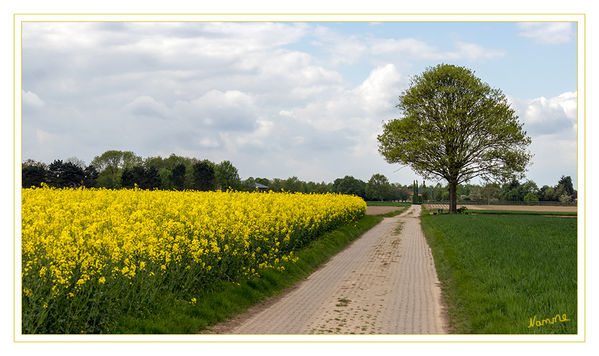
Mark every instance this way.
x=280 y=99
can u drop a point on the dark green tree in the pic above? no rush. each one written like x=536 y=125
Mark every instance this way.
x=490 y=191
x=350 y=185
x=178 y=176
x=111 y=163
x=226 y=176
x=293 y=185
x=565 y=182
x=512 y=191
x=547 y=193
x=61 y=174
x=145 y=178
x=90 y=175
x=455 y=127
x=378 y=187
x=33 y=175
x=203 y=175
x=263 y=181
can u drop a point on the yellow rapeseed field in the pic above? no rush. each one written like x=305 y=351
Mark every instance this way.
x=83 y=247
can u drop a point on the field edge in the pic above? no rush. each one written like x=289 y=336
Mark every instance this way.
x=228 y=300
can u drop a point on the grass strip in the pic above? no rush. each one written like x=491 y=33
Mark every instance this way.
x=226 y=300
x=506 y=274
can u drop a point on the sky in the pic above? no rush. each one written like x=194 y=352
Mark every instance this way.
x=281 y=99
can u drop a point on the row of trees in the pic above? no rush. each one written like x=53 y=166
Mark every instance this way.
x=528 y=191
x=124 y=169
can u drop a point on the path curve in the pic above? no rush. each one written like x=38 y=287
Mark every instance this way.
x=383 y=283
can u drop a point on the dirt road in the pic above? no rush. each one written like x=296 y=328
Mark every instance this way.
x=383 y=283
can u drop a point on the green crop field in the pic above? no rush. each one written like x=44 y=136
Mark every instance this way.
x=506 y=274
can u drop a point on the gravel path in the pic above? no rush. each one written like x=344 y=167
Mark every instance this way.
x=383 y=283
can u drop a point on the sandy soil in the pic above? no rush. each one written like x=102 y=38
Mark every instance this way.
x=508 y=207
x=383 y=283
x=376 y=210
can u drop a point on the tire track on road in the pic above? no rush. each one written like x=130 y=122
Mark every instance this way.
x=383 y=283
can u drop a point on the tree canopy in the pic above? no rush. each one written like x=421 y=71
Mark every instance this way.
x=455 y=127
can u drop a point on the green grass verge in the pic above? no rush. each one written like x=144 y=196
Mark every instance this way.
x=499 y=271
x=225 y=300
x=387 y=203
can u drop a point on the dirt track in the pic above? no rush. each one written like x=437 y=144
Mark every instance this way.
x=377 y=210
x=383 y=283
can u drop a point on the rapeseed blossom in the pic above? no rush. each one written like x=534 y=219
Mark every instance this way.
x=134 y=241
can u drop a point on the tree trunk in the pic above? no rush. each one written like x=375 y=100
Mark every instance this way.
x=452 y=198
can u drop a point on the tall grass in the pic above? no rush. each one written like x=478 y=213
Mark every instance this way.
x=502 y=273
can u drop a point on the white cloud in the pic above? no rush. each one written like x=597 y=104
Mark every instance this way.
x=544 y=116
x=147 y=106
x=547 y=32
x=258 y=94
x=551 y=124
x=349 y=49
x=230 y=110
x=31 y=99
x=474 y=52
x=376 y=93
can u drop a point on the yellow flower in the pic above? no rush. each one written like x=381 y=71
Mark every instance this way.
x=71 y=236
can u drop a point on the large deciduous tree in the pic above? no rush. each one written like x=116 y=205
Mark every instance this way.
x=378 y=187
x=226 y=176
x=455 y=127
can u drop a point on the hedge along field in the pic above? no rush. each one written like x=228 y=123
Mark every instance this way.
x=88 y=255
x=506 y=274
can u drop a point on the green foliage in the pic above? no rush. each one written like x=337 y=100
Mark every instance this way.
x=455 y=127
x=144 y=178
x=547 y=193
x=203 y=175
x=293 y=185
x=565 y=198
x=178 y=176
x=531 y=197
x=226 y=176
x=378 y=187
x=566 y=183
x=60 y=174
x=415 y=198
x=350 y=185
x=33 y=175
x=116 y=159
x=90 y=175
x=499 y=271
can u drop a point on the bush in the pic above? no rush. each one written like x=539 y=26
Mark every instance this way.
x=531 y=197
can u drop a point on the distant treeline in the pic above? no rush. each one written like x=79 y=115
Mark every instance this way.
x=124 y=169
